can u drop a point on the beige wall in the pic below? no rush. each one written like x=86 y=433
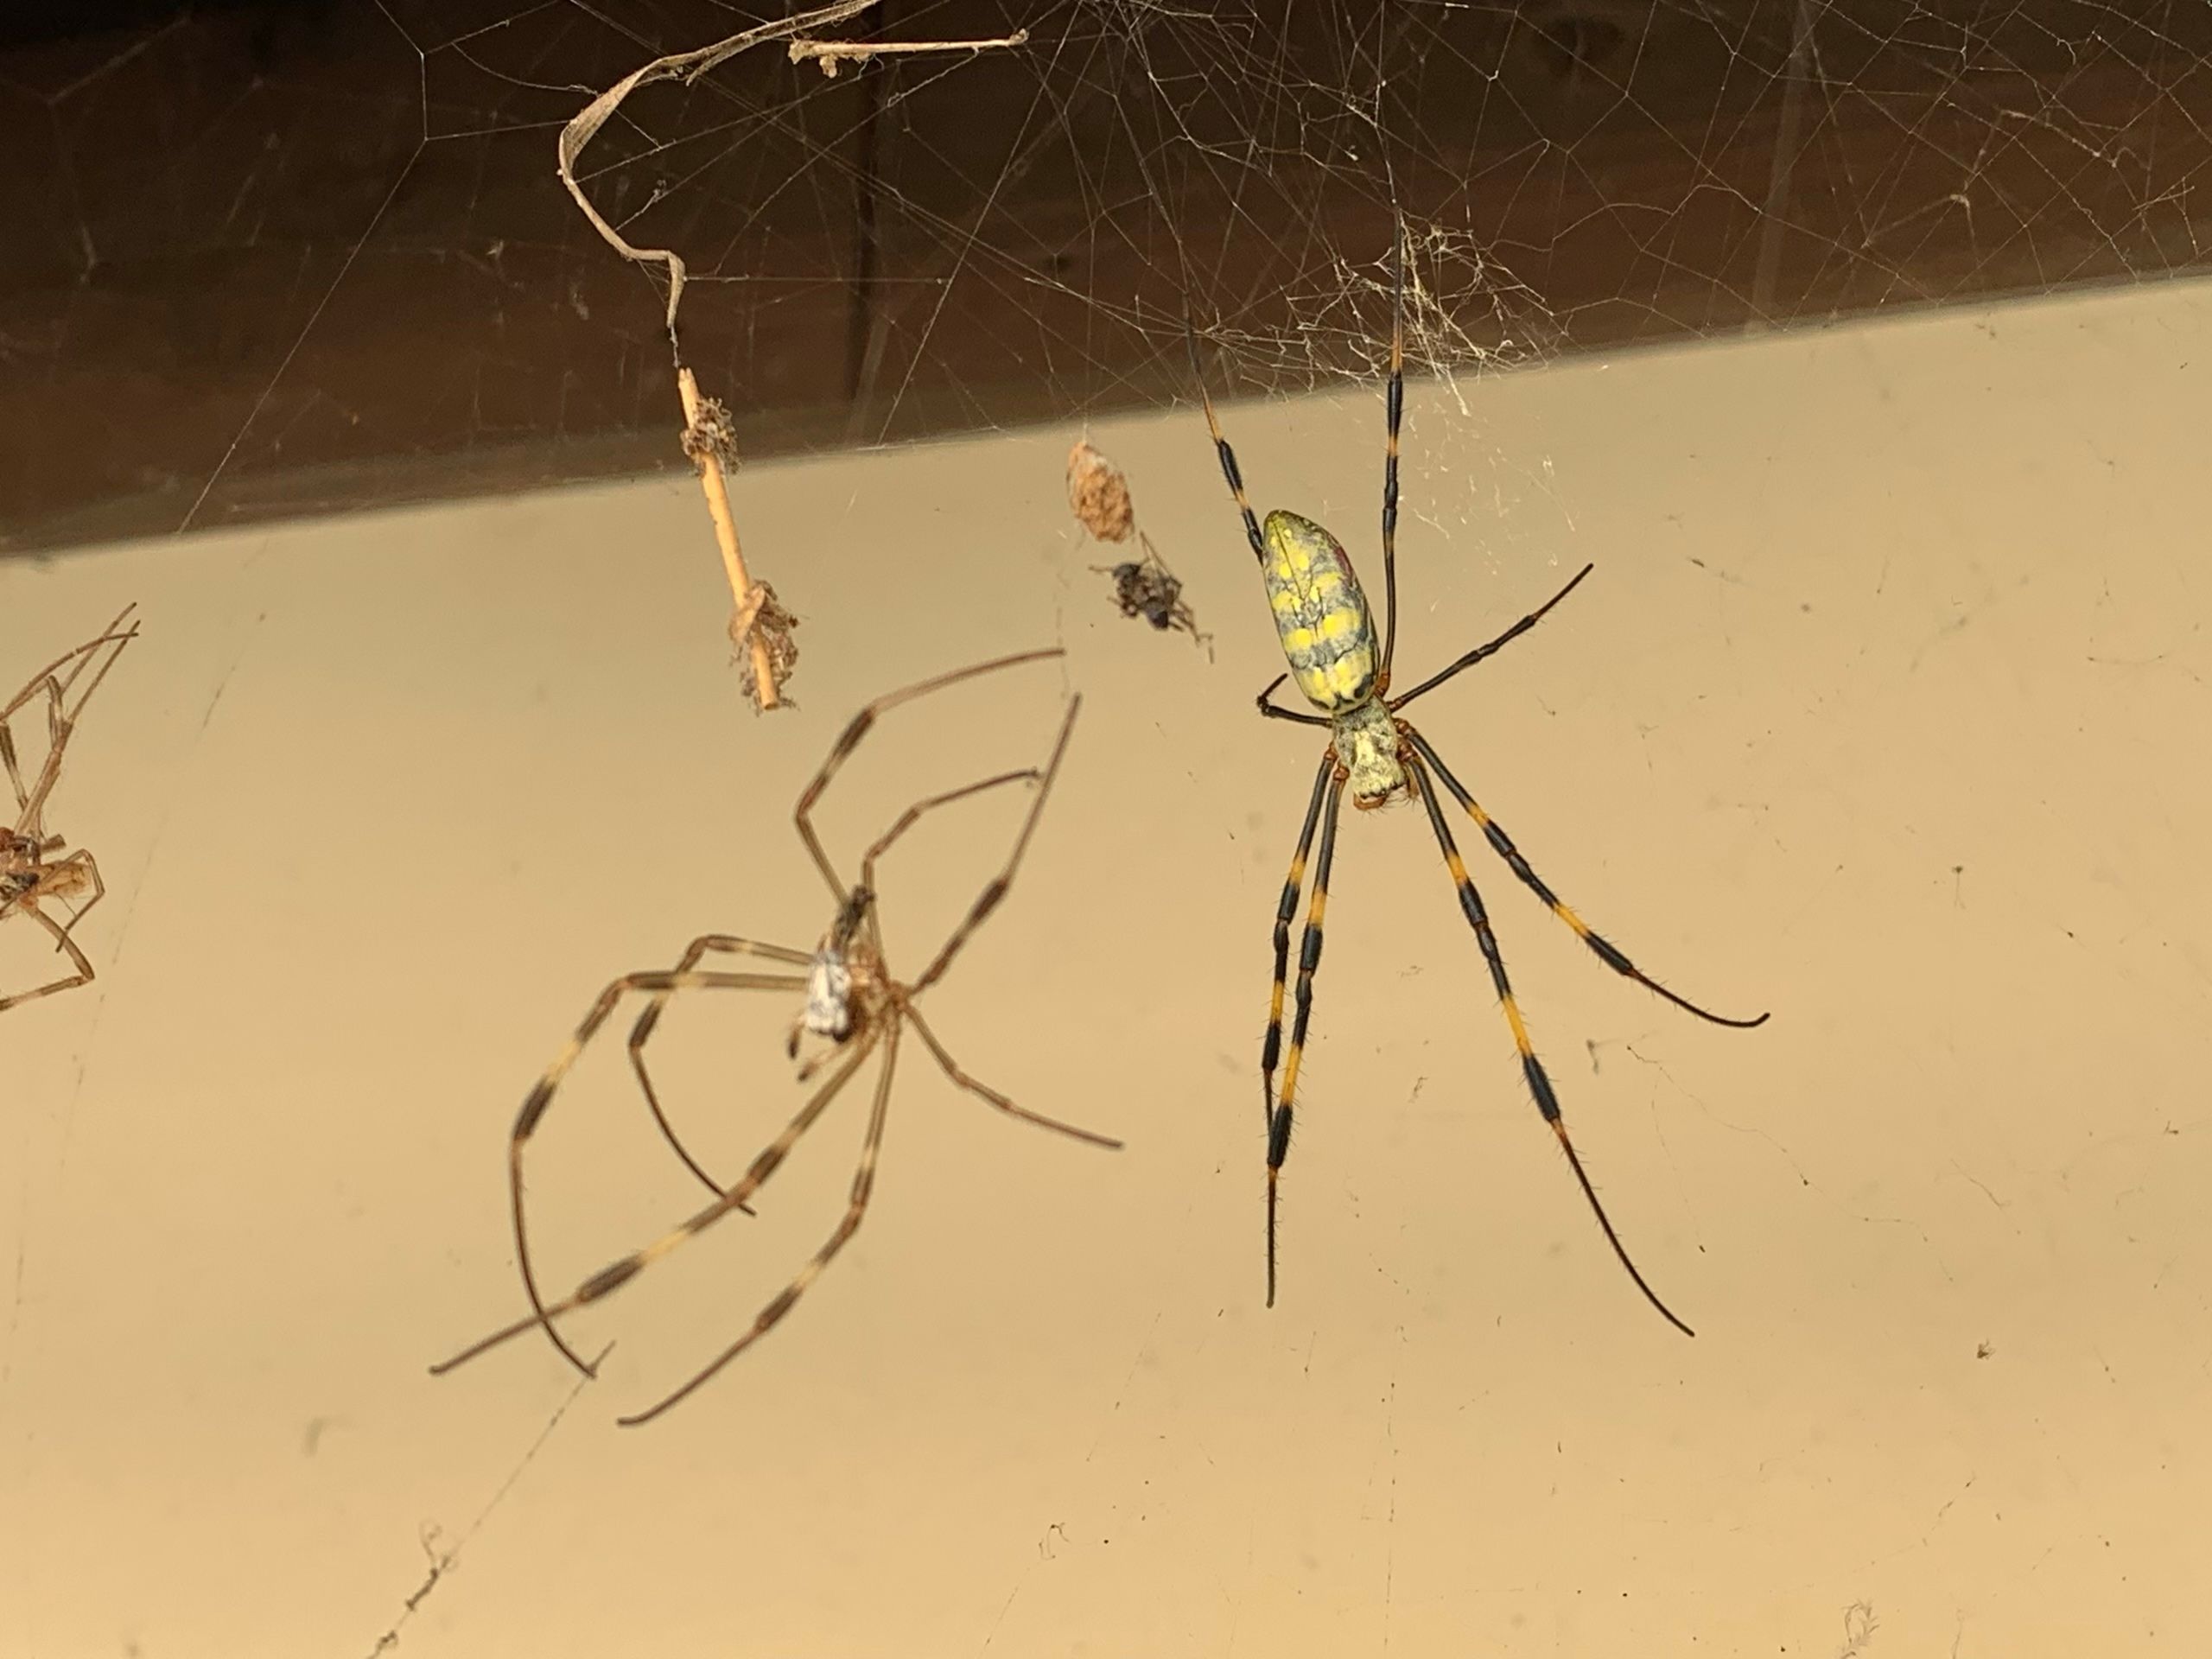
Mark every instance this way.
x=1884 y=708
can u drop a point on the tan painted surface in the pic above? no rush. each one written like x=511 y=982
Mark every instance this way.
x=1885 y=708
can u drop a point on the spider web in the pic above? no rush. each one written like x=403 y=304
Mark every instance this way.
x=267 y=260
x=286 y=260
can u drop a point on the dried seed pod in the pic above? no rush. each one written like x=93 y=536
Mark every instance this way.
x=1099 y=495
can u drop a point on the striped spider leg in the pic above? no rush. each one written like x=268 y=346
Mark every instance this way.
x=851 y=1001
x=1342 y=668
x=35 y=867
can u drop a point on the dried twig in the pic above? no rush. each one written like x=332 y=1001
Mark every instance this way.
x=707 y=437
x=759 y=626
x=686 y=66
x=829 y=53
x=712 y=448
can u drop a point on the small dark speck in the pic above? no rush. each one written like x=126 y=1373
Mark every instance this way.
x=1982 y=1351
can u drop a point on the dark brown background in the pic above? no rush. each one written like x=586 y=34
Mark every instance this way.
x=268 y=259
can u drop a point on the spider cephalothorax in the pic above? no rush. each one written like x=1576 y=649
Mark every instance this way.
x=19 y=866
x=1343 y=668
x=42 y=868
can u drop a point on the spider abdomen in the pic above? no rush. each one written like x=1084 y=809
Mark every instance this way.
x=829 y=997
x=1321 y=615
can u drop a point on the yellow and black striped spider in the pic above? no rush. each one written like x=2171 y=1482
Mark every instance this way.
x=851 y=1001
x=1328 y=638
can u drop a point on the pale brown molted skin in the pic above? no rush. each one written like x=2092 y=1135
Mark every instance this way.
x=852 y=1001
x=35 y=867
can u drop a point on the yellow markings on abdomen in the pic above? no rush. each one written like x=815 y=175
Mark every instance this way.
x=1321 y=615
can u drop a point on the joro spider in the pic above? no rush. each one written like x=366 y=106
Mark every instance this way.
x=852 y=1001
x=1328 y=638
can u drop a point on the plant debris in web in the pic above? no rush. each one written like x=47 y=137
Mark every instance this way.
x=1098 y=493
x=760 y=631
x=759 y=627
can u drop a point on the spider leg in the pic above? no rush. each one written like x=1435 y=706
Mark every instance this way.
x=1494 y=646
x=1601 y=947
x=914 y=814
x=57 y=722
x=1227 y=456
x=533 y=1111
x=986 y=1092
x=1329 y=785
x=1395 y=410
x=858 y=727
x=1532 y=1069
x=855 y=1212
x=61 y=718
x=30 y=801
x=29 y=906
x=74 y=660
x=82 y=861
x=7 y=760
x=650 y=1018
x=1274 y=712
x=114 y=634
x=1293 y=888
x=995 y=891
x=617 y=1273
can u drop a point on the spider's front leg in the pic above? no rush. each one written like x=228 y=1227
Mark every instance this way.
x=83 y=973
x=1274 y=710
x=861 y=724
x=649 y=1021
x=535 y=1106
